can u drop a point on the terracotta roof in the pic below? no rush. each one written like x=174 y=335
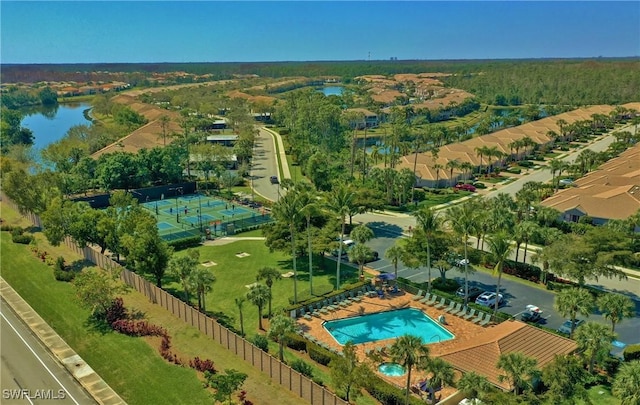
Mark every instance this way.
x=481 y=355
x=610 y=192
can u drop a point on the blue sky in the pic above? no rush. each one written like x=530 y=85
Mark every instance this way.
x=210 y=31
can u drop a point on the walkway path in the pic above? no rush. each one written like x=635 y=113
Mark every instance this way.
x=69 y=359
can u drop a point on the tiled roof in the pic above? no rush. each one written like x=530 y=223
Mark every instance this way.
x=481 y=355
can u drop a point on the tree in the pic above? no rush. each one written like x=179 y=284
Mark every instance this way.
x=259 y=295
x=347 y=374
x=519 y=371
x=463 y=220
x=225 y=384
x=565 y=379
x=442 y=373
x=430 y=224
x=615 y=307
x=362 y=234
x=572 y=301
x=339 y=201
x=394 y=254
x=473 y=385
x=626 y=384
x=269 y=275
x=182 y=267
x=523 y=232
x=360 y=253
x=409 y=351
x=501 y=249
x=451 y=166
x=310 y=207
x=201 y=280
x=594 y=342
x=95 y=290
x=240 y=303
x=287 y=210
x=279 y=327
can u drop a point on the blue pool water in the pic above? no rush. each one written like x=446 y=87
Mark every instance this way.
x=392 y=369
x=387 y=325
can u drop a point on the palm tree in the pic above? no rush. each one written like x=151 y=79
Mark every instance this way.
x=467 y=168
x=571 y=301
x=360 y=253
x=556 y=166
x=269 y=275
x=519 y=370
x=473 y=385
x=281 y=326
x=201 y=280
x=430 y=224
x=394 y=254
x=523 y=232
x=310 y=207
x=481 y=151
x=409 y=351
x=500 y=247
x=339 y=201
x=565 y=377
x=615 y=307
x=259 y=295
x=443 y=374
x=437 y=167
x=452 y=165
x=626 y=383
x=594 y=342
x=164 y=122
x=462 y=219
x=287 y=210
x=240 y=303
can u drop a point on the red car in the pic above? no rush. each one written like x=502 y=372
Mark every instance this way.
x=465 y=187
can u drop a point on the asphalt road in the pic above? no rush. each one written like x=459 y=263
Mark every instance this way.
x=28 y=372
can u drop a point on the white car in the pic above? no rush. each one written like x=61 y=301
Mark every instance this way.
x=488 y=299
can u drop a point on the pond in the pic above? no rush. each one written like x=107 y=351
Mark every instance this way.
x=332 y=90
x=50 y=124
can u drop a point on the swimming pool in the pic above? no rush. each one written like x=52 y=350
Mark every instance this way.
x=387 y=325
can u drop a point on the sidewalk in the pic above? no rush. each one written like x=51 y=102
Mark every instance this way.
x=89 y=379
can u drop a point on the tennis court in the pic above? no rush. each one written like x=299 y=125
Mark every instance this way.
x=202 y=215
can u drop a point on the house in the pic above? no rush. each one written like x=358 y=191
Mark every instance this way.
x=224 y=140
x=610 y=192
x=482 y=353
x=367 y=118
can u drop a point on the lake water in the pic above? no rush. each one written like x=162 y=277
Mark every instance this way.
x=50 y=125
x=332 y=90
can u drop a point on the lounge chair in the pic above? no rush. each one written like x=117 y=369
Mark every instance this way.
x=432 y=300
x=427 y=297
x=485 y=321
x=452 y=305
x=479 y=318
x=441 y=303
x=417 y=296
x=455 y=309
x=354 y=297
x=470 y=314
x=462 y=312
x=305 y=315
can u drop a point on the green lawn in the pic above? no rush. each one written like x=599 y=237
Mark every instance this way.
x=432 y=200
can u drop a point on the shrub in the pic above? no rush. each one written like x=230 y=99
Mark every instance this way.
x=525 y=163
x=302 y=367
x=514 y=170
x=611 y=365
x=296 y=342
x=63 y=275
x=479 y=184
x=631 y=352
x=388 y=394
x=202 y=365
x=319 y=354
x=261 y=342
x=185 y=242
x=21 y=238
x=59 y=265
x=6 y=228
x=17 y=231
x=447 y=285
x=116 y=311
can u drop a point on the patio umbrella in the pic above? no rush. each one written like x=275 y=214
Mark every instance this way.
x=386 y=276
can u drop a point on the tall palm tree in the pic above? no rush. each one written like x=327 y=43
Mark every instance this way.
x=287 y=210
x=481 y=151
x=615 y=307
x=201 y=279
x=452 y=165
x=339 y=202
x=522 y=233
x=626 y=383
x=269 y=275
x=519 y=370
x=463 y=220
x=279 y=328
x=310 y=207
x=164 y=122
x=428 y=221
x=443 y=373
x=394 y=254
x=240 y=303
x=556 y=166
x=500 y=247
x=409 y=351
x=572 y=301
x=594 y=342
x=259 y=295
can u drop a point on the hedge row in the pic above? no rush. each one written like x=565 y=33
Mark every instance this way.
x=631 y=352
x=388 y=394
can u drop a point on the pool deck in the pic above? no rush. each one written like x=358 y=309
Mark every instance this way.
x=463 y=330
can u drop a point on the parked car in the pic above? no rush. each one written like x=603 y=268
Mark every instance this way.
x=273 y=179
x=488 y=299
x=531 y=314
x=474 y=292
x=566 y=182
x=346 y=245
x=465 y=187
x=462 y=262
x=565 y=328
